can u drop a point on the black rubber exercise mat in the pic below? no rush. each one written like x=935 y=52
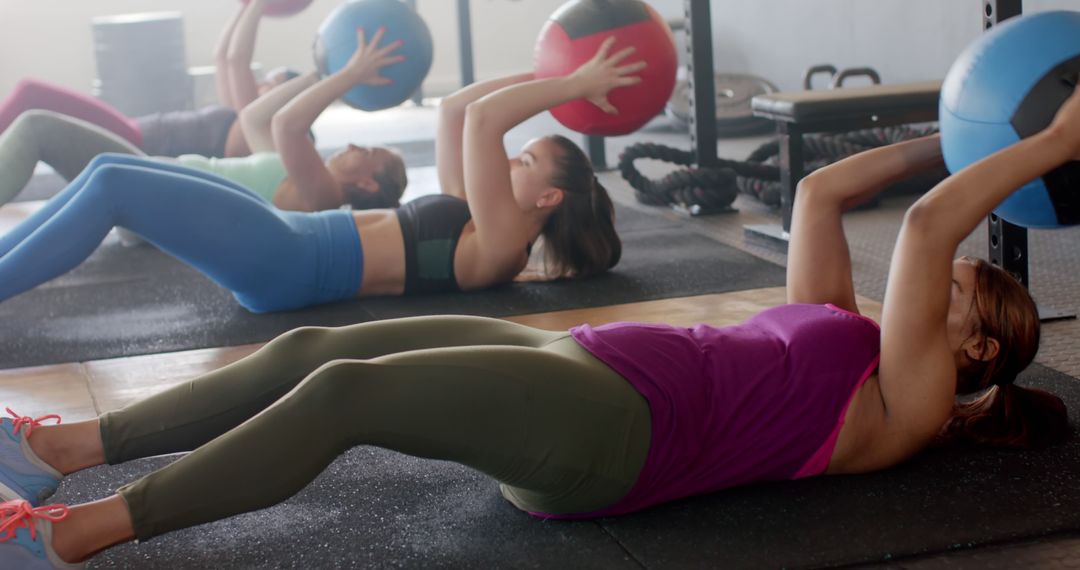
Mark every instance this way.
x=125 y=301
x=378 y=509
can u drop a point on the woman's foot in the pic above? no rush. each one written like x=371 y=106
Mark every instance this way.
x=26 y=536
x=22 y=474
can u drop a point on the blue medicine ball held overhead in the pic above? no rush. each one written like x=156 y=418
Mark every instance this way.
x=1007 y=86
x=336 y=42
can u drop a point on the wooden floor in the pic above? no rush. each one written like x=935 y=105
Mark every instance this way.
x=84 y=390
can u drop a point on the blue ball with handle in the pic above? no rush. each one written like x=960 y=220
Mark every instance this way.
x=336 y=42
x=1007 y=86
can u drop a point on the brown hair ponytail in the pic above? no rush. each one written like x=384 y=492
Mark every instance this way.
x=1009 y=416
x=579 y=236
x=1005 y=415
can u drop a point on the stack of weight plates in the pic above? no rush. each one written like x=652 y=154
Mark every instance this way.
x=734 y=117
x=142 y=67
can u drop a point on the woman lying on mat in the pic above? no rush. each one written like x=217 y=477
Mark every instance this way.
x=210 y=131
x=598 y=421
x=275 y=261
x=286 y=168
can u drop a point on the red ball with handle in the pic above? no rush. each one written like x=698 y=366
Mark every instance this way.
x=572 y=37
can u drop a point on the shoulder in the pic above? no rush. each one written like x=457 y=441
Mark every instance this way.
x=868 y=441
x=478 y=267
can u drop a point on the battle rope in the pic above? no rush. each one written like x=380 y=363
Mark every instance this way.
x=715 y=187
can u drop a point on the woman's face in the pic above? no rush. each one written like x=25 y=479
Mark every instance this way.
x=963 y=319
x=273 y=78
x=358 y=165
x=531 y=172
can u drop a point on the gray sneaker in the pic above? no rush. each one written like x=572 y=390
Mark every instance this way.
x=26 y=537
x=22 y=474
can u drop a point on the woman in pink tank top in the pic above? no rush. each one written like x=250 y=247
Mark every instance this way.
x=602 y=420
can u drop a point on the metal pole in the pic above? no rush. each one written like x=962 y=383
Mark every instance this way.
x=465 y=42
x=702 y=86
x=418 y=97
x=1008 y=242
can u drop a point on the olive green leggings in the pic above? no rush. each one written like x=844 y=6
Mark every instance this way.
x=560 y=430
x=65 y=143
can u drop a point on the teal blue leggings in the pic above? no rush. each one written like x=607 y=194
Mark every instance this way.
x=270 y=259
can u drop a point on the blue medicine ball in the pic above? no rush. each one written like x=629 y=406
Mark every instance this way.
x=1005 y=87
x=336 y=43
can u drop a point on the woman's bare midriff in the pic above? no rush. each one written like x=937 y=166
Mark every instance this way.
x=384 y=252
x=861 y=422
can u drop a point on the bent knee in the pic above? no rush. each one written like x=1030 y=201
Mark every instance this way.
x=28 y=85
x=31 y=117
x=301 y=337
x=109 y=158
x=334 y=382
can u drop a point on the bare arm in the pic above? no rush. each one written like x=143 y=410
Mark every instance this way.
x=242 y=83
x=502 y=229
x=917 y=372
x=221 y=61
x=314 y=186
x=451 y=128
x=819 y=263
x=256 y=117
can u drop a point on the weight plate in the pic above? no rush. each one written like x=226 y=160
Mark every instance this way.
x=734 y=92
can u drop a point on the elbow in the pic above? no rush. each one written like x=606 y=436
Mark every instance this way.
x=924 y=218
x=237 y=58
x=809 y=187
x=247 y=119
x=812 y=197
x=451 y=105
x=283 y=125
x=932 y=225
x=478 y=117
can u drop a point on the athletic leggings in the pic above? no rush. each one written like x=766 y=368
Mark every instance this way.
x=33 y=94
x=65 y=143
x=270 y=259
x=560 y=430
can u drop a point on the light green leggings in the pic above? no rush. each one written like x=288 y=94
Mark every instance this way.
x=65 y=143
x=560 y=430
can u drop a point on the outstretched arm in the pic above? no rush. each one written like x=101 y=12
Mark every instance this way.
x=314 y=187
x=242 y=83
x=917 y=371
x=819 y=264
x=448 y=138
x=222 y=85
x=256 y=117
x=502 y=230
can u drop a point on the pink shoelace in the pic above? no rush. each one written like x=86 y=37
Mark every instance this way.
x=29 y=422
x=19 y=514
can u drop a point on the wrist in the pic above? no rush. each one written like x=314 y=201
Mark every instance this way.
x=1059 y=136
x=575 y=85
x=349 y=75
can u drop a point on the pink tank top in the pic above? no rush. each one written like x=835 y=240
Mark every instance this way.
x=760 y=401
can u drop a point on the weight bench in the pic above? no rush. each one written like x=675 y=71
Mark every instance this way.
x=830 y=110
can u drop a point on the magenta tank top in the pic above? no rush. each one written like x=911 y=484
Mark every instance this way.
x=760 y=401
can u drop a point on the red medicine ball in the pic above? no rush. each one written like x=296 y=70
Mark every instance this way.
x=572 y=36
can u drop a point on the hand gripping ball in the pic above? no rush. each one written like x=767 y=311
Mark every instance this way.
x=1007 y=86
x=336 y=42
x=572 y=36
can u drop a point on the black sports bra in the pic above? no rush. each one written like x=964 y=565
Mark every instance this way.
x=431 y=226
